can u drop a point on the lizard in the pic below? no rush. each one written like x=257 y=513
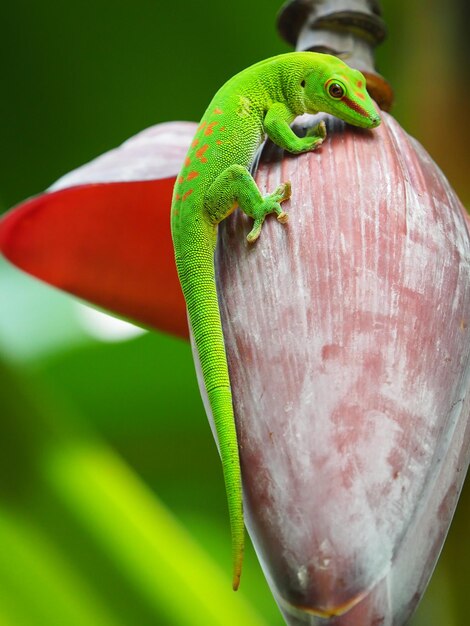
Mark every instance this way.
x=263 y=99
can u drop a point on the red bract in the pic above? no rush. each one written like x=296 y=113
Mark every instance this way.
x=102 y=232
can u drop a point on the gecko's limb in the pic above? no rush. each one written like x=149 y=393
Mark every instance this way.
x=236 y=186
x=271 y=204
x=277 y=126
x=318 y=132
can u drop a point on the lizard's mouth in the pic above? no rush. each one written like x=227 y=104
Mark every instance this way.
x=375 y=121
x=367 y=121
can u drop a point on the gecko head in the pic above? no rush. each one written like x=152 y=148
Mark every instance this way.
x=341 y=91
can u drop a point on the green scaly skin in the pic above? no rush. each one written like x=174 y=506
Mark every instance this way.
x=261 y=100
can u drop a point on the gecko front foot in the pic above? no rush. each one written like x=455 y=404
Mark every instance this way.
x=270 y=204
x=316 y=135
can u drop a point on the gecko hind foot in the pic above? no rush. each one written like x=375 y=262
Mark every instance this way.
x=270 y=204
x=283 y=192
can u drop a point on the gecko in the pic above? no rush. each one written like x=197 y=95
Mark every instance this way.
x=262 y=100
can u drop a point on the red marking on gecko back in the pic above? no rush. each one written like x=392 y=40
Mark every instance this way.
x=219 y=142
x=188 y=193
x=359 y=95
x=200 y=153
x=222 y=128
x=192 y=175
x=195 y=142
x=187 y=161
x=180 y=179
x=218 y=111
x=359 y=84
x=210 y=128
x=202 y=125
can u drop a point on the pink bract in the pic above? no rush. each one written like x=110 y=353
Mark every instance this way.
x=349 y=353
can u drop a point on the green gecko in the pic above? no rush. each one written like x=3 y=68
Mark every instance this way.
x=262 y=100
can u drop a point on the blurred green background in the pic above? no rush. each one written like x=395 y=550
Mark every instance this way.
x=104 y=444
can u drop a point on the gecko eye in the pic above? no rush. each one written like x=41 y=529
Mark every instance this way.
x=336 y=90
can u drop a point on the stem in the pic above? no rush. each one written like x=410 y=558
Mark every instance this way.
x=350 y=29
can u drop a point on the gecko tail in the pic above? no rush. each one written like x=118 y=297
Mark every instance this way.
x=238 y=546
x=196 y=272
x=238 y=539
x=237 y=570
x=220 y=400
